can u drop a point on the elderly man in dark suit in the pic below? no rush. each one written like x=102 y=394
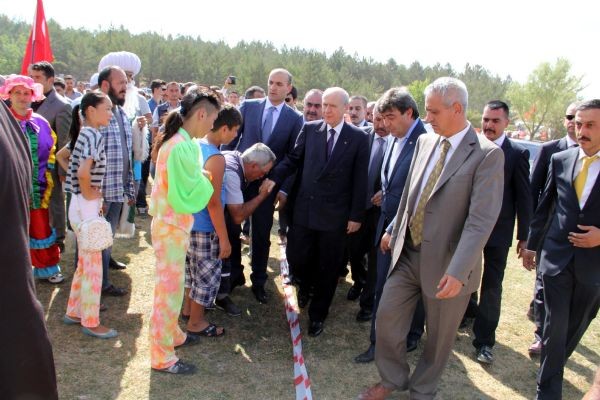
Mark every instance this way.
x=539 y=173
x=515 y=203
x=333 y=158
x=272 y=122
x=566 y=231
x=57 y=110
x=400 y=115
x=448 y=208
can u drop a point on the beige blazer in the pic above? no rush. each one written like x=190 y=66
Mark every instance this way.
x=461 y=212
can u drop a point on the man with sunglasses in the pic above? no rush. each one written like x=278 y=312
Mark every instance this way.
x=158 y=87
x=538 y=180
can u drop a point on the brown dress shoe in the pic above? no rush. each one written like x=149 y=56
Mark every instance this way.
x=377 y=392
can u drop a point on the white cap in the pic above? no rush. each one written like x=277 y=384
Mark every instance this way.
x=126 y=60
x=94 y=80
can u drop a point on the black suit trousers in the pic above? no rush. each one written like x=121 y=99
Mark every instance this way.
x=487 y=314
x=363 y=256
x=231 y=268
x=262 y=222
x=570 y=308
x=317 y=257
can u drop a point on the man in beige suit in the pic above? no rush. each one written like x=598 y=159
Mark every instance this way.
x=449 y=206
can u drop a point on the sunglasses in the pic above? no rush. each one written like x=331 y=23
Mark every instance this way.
x=288 y=99
x=569 y=117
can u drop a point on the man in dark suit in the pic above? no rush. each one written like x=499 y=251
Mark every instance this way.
x=566 y=231
x=516 y=202
x=330 y=202
x=400 y=116
x=362 y=251
x=357 y=110
x=448 y=208
x=57 y=110
x=538 y=180
x=274 y=123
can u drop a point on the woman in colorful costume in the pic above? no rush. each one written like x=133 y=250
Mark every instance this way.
x=45 y=254
x=180 y=189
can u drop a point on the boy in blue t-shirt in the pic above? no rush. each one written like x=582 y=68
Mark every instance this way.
x=209 y=243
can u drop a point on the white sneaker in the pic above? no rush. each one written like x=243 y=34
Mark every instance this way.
x=56 y=278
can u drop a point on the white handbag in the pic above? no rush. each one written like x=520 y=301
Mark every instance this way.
x=93 y=234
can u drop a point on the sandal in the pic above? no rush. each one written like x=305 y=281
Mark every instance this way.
x=209 y=331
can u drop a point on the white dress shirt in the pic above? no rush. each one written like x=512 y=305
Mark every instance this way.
x=338 y=129
x=276 y=113
x=591 y=178
x=454 y=143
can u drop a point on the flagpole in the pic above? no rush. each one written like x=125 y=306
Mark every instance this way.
x=34 y=28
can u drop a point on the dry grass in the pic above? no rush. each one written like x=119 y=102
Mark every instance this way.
x=253 y=360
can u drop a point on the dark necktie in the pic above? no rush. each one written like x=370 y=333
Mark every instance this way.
x=268 y=125
x=330 y=143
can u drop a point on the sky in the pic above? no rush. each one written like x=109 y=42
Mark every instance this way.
x=509 y=37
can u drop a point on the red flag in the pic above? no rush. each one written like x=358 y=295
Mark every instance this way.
x=38 y=46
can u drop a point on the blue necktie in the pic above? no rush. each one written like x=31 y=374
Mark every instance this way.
x=330 y=143
x=267 y=128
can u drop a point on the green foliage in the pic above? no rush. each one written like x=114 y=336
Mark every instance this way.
x=542 y=100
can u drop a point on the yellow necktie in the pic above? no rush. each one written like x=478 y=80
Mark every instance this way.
x=583 y=174
x=416 y=222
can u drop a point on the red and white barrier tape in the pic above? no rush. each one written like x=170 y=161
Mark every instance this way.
x=301 y=379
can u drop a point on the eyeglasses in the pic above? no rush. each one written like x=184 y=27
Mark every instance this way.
x=569 y=117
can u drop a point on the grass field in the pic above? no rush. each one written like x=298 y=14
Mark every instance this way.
x=254 y=359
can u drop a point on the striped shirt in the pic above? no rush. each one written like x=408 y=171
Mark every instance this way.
x=89 y=144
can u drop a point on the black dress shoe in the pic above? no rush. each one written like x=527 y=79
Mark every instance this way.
x=366 y=357
x=112 y=290
x=354 y=293
x=114 y=264
x=315 y=329
x=260 y=294
x=411 y=345
x=364 y=315
x=303 y=298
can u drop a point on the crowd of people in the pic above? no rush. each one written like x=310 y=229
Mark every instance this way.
x=421 y=206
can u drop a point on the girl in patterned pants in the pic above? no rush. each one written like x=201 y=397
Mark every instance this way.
x=180 y=189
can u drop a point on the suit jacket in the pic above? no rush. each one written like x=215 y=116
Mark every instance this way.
x=541 y=165
x=516 y=199
x=57 y=110
x=283 y=136
x=460 y=214
x=330 y=192
x=559 y=211
x=395 y=185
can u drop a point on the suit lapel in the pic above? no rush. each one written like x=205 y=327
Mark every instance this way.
x=427 y=149
x=407 y=149
x=321 y=145
x=338 y=149
x=458 y=159
x=261 y=111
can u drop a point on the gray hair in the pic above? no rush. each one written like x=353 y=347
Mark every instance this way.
x=338 y=90
x=260 y=154
x=452 y=91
